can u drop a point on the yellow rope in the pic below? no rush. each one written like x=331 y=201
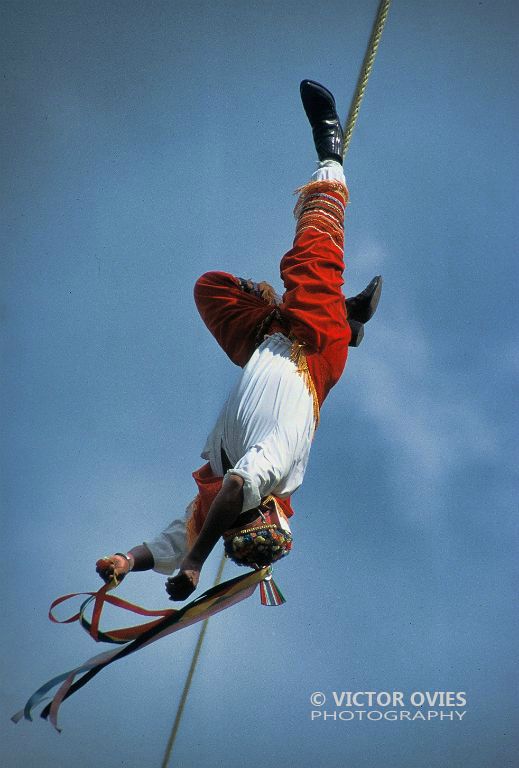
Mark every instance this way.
x=367 y=66
x=189 y=678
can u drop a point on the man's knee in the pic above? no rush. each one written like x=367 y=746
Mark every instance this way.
x=213 y=280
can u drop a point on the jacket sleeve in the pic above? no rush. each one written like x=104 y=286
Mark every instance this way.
x=312 y=271
x=169 y=547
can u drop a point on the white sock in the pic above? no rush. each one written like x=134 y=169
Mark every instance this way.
x=329 y=169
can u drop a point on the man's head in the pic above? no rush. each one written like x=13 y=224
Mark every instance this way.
x=261 y=541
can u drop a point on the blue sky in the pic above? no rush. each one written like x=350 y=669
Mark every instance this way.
x=145 y=143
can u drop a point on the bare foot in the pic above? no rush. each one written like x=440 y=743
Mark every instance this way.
x=179 y=587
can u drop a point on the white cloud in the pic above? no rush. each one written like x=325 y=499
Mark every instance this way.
x=431 y=417
x=369 y=256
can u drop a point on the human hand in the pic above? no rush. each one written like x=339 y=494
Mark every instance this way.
x=179 y=587
x=112 y=567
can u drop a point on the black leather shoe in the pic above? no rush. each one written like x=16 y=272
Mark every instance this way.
x=363 y=306
x=320 y=109
x=357 y=332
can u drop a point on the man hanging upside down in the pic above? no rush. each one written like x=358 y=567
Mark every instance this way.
x=292 y=351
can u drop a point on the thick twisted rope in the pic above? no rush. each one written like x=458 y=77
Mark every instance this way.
x=367 y=66
x=189 y=678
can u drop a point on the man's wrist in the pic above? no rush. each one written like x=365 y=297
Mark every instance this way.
x=128 y=557
x=142 y=558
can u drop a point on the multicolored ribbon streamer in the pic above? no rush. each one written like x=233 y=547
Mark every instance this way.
x=99 y=598
x=209 y=603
